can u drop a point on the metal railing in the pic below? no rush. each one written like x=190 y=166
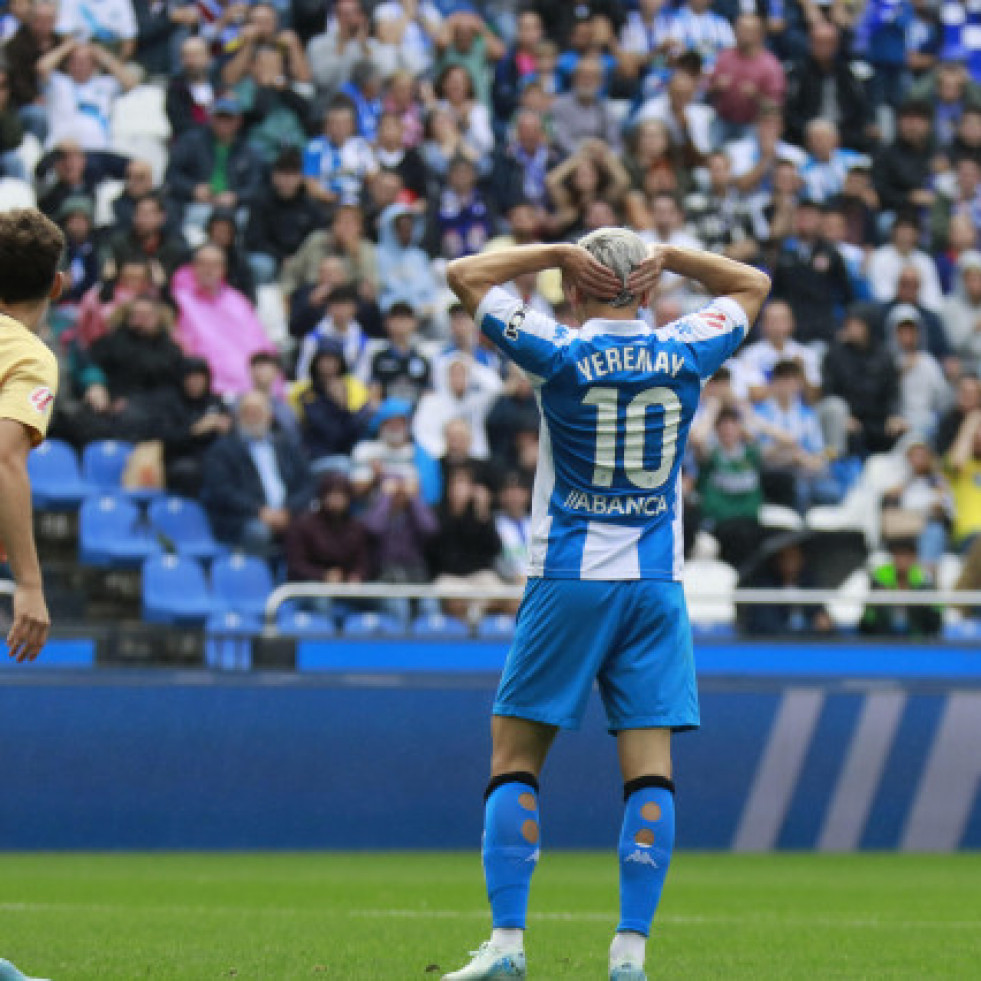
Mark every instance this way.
x=746 y=596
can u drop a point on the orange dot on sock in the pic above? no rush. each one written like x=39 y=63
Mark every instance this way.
x=644 y=837
x=527 y=801
x=650 y=812
x=529 y=831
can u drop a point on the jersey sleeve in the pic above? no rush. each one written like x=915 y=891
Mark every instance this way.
x=534 y=342
x=712 y=334
x=27 y=392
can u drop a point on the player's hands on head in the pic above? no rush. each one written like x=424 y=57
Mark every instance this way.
x=591 y=276
x=29 y=631
x=644 y=277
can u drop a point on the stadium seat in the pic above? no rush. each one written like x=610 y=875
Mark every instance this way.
x=373 y=625
x=293 y=621
x=497 y=626
x=949 y=571
x=56 y=483
x=846 y=610
x=112 y=535
x=272 y=314
x=16 y=193
x=241 y=583
x=228 y=640
x=139 y=127
x=778 y=516
x=963 y=630
x=184 y=523
x=103 y=463
x=175 y=591
x=437 y=625
x=712 y=577
x=105 y=195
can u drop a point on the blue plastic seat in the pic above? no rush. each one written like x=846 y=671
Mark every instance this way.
x=969 y=629
x=103 y=463
x=294 y=621
x=111 y=534
x=228 y=640
x=186 y=525
x=437 y=625
x=56 y=482
x=497 y=626
x=175 y=591
x=241 y=583
x=373 y=625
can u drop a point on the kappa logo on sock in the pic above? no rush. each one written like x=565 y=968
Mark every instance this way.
x=534 y=856
x=641 y=858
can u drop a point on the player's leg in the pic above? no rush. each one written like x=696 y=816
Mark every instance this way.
x=646 y=843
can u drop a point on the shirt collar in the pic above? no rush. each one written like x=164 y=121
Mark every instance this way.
x=596 y=326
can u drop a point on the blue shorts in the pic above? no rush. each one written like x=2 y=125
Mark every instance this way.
x=632 y=636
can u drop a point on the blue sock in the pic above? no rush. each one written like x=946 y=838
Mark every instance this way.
x=646 y=842
x=510 y=852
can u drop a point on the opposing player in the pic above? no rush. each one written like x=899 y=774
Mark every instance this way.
x=603 y=601
x=30 y=251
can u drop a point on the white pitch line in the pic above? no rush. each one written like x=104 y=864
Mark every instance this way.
x=585 y=916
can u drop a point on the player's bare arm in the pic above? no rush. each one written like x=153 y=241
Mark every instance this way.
x=720 y=276
x=31 y=623
x=473 y=276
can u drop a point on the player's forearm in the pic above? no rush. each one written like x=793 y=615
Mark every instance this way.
x=472 y=276
x=720 y=276
x=16 y=522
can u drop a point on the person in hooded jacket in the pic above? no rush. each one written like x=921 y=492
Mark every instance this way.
x=328 y=544
x=962 y=313
x=405 y=270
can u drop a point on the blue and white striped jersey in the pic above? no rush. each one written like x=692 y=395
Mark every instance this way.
x=617 y=400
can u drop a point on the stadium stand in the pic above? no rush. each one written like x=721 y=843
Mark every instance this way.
x=329 y=201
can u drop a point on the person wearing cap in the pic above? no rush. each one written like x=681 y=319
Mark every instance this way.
x=823 y=83
x=887 y=262
x=923 y=390
x=81 y=260
x=907 y=293
x=962 y=313
x=901 y=572
x=214 y=165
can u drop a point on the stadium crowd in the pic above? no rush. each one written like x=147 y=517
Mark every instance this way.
x=333 y=155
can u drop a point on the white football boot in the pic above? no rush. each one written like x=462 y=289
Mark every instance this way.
x=490 y=962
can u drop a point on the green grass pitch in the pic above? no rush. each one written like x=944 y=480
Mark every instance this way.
x=412 y=915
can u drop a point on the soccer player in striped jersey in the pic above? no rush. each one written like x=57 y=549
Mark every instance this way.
x=603 y=600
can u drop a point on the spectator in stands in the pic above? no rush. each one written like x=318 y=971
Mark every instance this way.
x=859 y=203
x=962 y=313
x=147 y=239
x=334 y=409
x=217 y=322
x=262 y=31
x=457 y=454
x=582 y=113
x=404 y=268
x=593 y=173
x=861 y=378
x=402 y=99
x=112 y=24
x=11 y=133
x=824 y=84
x=464 y=340
x=394 y=451
x=466 y=39
x=653 y=162
x=721 y=218
x=399 y=369
x=329 y=544
x=756 y=361
x=81 y=259
x=901 y=572
x=960 y=197
x=346 y=41
x=795 y=472
x=902 y=169
x=461 y=218
x=191 y=92
x=786 y=568
x=513 y=522
x=963 y=466
x=189 y=422
x=950 y=92
x=129 y=371
x=827 y=164
x=755 y=158
x=888 y=261
x=515 y=411
x=32 y=41
x=731 y=490
x=645 y=40
x=745 y=77
x=466 y=547
x=138 y=183
x=691 y=123
x=518 y=65
x=337 y=164
x=338 y=323
x=160 y=28
x=401 y=525
x=406 y=34
x=79 y=99
x=923 y=391
x=922 y=499
x=834 y=229
x=222 y=229
x=696 y=27
x=523 y=163
x=71 y=177
x=810 y=275
x=281 y=218
x=255 y=481
x=468 y=393
x=455 y=91
x=344 y=238
x=118 y=287
x=442 y=143
x=214 y=166
x=967 y=140
x=967 y=399
x=392 y=153
x=266 y=377
x=907 y=294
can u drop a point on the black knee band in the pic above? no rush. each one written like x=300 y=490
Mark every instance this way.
x=517 y=777
x=632 y=786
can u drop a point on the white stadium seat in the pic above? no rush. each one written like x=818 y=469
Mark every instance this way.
x=712 y=577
